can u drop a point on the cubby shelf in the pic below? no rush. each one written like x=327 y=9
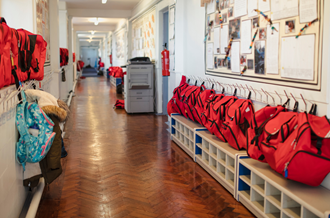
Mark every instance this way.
x=217 y=158
x=182 y=132
x=264 y=192
x=268 y=194
x=115 y=81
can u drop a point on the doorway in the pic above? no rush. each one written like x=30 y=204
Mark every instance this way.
x=89 y=55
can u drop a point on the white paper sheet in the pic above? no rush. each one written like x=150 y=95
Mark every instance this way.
x=272 y=49
x=172 y=15
x=284 y=8
x=223 y=39
x=211 y=7
x=246 y=36
x=297 y=60
x=307 y=10
x=141 y=43
x=264 y=6
x=216 y=40
x=252 y=4
x=240 y=8
x=172 y=47
x=171 y=31
x=209 y=55
x=235 y=63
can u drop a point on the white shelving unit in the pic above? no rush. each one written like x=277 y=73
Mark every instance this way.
x=182 y=132
x=267 y=194
x=218 y=159
x=115 y=81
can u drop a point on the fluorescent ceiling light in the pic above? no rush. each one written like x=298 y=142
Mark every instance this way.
x=104 y=1
x=96 y=22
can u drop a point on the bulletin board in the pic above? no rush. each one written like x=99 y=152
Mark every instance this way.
x=42 y=9
x=143 y=35
x=277 y=56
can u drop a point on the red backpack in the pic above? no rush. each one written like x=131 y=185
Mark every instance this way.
x=117 y=72
x=255 y=132
x=64 y=57
x=172 y=106
x=186 y=95
x=32 y=55
x=202 y=100
x=305 y=155
x=238 y=119
x=5 y=64
x=120 y=104
x=207 y=107
x=217 y=115
x=191 y=100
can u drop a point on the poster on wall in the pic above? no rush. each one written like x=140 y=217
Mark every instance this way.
x=120 y=46
x=143 y=40
x=42 y=10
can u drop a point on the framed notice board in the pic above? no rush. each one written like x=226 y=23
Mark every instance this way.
x=277 y=56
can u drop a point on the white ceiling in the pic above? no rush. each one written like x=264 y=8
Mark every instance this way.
x=91 y=20
x=97 y=4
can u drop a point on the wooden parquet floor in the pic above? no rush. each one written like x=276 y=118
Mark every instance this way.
x=121 y=165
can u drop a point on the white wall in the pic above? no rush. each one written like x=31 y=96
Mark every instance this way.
x=122 y=28
x=12 y=192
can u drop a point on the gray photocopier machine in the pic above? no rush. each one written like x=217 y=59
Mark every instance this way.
x=139 y=86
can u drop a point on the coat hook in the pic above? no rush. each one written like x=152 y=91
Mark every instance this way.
x=272 y=98
x=265 y=94
x=240 y=91
x=260 y=93
x=279 y=97
x=296 y=104
x=304 y=102
x=255 y=94
x=244 y=90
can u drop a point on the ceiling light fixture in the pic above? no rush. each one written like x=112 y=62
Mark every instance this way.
x=93 y=32
x=96 y=22
x=104 y=1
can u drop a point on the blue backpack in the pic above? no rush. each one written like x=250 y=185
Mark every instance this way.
x=29 y=148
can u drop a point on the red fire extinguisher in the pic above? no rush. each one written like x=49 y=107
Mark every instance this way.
x=166 y=62
x=111 y=59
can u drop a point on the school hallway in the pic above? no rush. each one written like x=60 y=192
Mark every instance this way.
x=121 y=165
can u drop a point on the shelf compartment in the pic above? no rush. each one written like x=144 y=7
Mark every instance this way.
x=257 y=200
x=308 y=214
x=213 y=164
x=222 y=157
x=181 y=138
x=191 y=135
x=191 y=145
x=186 y=141
x=258 y=183
x=272 y=211
x=221 y=170
x=181 y=127
x=291 y=207
x=273 y=195
x=206 y=145
x=213 y=151
x=230 y=163
x=186 y=131
x=230 y=177
x=205 y=157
